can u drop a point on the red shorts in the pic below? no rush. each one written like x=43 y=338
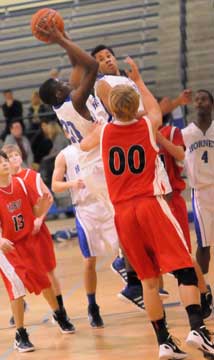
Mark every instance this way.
x=151 y=237
x=43 y=247
x=178 y=206
x=28 y=267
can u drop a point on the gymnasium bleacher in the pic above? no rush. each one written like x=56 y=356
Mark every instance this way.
x=131 y=29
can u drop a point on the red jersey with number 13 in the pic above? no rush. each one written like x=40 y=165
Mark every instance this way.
x=16 y=214
x=129 y=153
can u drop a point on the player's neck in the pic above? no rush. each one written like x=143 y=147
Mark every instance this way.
x=5 y=180
x=203 y=122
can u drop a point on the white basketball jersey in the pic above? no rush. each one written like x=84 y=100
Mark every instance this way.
x=73 y=172
x=77 y=127
x=199 y=155
x=97 y=110
x=114 y=80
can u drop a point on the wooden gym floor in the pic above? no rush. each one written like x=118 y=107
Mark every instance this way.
x=127 y=333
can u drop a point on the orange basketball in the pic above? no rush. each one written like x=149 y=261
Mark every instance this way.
x=42 y=18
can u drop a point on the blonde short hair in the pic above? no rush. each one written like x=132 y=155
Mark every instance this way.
x=9 y=148
x=124 y=102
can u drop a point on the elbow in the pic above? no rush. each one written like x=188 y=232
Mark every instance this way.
x=93 y=66
x=53 y=187
x=84 y=146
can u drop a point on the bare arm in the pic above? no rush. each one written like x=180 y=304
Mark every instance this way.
x=184 y=98
x=58 y=182
x=151 y=105
x=80 y=58
x=177 y=151
x=92 y=139
x=43 y=205
x=103 y=90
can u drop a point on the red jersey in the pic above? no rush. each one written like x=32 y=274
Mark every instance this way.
x=129 y=155
x=32 y=178
x=16 y=214
x=173 y=167
x=43 y=244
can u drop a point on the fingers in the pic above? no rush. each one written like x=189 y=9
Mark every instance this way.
x=7 y=246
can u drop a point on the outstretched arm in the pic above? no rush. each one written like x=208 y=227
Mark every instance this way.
x=184 y=98
x=177 y=151
x=151 y=105
x=79 y=58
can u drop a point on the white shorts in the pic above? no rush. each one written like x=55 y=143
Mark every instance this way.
x=203 y=212
x=13 y=283
x=95 y=228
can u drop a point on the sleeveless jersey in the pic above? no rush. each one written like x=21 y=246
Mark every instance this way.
x=114 y=80
x=73 y=172
x=32 y=178
x=130 y=157
x=199 y=155
x=173 y=167
x=16 y=215
x=77 y=127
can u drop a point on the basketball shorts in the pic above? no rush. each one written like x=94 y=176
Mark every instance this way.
x=43 y=246
x=95 y=227
x=12 y=281
x=151 y=236
x=28 y=266
x=178 y=206
x=203 y=214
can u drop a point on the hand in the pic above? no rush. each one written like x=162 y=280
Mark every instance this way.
x=185 y=97
x=37 y=225
x=77 y=184
x=6 y=245
x=133 y=74
x=51 y=32
x=45 y=200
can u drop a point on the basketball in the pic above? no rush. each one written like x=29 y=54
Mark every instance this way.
x=42 y=18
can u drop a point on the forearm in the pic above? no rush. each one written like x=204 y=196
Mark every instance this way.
x=61 y=186
x=177 y=151
x=151 y=105
x=169 y=105
x=76 y=55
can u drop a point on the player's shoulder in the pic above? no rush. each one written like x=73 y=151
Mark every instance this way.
x=66 y=102
x=188 y=129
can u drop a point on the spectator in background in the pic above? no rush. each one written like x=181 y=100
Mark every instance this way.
x=35 y=111
x=12 y=110
x=40 y=143
x=59 y=142
x=16 y=137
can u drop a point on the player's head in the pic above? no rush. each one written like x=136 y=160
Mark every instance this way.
x=4 y=164
x=105 y=56
x=124 y=102
x=14 y=155
x=54 y=92
x=203 y=102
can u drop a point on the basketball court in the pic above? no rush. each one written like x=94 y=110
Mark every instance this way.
x=127 y=333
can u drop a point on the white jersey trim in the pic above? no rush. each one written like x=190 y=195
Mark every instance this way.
x=8 y=270
x=151 y=135
x=38 y=184
x=22 y=184
x=101 y=140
